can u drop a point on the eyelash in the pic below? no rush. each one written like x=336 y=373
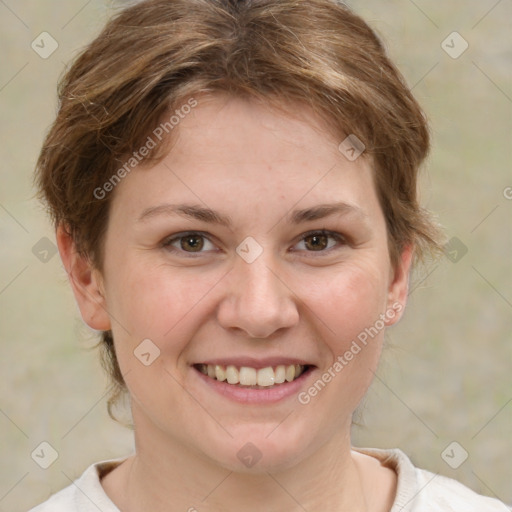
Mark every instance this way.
x=339 y=239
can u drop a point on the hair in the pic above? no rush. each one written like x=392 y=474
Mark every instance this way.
x=153 y=56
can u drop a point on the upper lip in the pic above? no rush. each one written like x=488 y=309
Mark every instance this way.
x=252 y=362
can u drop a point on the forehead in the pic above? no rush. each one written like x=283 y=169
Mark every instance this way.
x=231 y=152
x=236 y=129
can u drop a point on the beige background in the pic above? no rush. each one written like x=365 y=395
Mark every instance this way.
x=446 y=375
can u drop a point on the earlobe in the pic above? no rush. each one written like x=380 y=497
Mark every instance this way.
x=86 y=282
x=399 y=286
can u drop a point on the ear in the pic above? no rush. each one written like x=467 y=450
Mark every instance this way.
x=399 y=286
x=86 y=282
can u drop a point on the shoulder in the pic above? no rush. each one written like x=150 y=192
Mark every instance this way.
x=63 y=500
x=419 y=490
x=450 y=495
x=85 y=494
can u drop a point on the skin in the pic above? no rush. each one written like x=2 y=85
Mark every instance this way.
x=255 y=166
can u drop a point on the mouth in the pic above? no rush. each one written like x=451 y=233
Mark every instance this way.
x=248 y=377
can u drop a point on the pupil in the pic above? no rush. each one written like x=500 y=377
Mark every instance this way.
x=193 y=242
x=317 y=242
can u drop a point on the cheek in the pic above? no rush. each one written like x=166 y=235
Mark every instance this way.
x=349 y=306
x=347 y=303
x=165 y=306
x=155 y=302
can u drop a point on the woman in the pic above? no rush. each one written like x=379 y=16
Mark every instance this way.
x=233 y=186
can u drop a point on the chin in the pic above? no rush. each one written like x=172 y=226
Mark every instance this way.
x=255 y=452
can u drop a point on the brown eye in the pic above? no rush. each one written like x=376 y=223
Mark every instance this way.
x=321 y=241
x=317 y=242
x=192 y=243
x=188 y=243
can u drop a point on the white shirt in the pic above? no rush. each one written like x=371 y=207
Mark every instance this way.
x=418 y=490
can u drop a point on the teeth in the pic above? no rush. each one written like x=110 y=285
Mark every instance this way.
x=220 y=374
x=232 y=375
x=247 y=376
x=266 y=376
x=280 y=374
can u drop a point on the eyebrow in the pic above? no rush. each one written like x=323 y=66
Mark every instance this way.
x=210 y=216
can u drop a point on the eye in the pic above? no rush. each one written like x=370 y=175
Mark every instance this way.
x=320 y=241
x=188 y=242
x=196 y=242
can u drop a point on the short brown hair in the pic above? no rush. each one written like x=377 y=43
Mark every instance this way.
x=154 y=55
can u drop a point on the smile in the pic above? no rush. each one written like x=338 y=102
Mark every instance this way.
x=246 y=376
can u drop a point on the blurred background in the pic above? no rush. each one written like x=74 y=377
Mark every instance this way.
x=443 y=391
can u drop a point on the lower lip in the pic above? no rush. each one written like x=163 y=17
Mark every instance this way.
x=256 y=396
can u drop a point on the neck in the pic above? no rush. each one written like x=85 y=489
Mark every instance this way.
x=164 y=472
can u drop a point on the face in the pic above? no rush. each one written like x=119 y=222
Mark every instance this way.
x=256 y=249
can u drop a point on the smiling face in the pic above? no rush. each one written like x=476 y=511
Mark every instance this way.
x=254 y=245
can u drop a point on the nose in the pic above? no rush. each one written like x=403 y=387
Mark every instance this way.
x=257 y=301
